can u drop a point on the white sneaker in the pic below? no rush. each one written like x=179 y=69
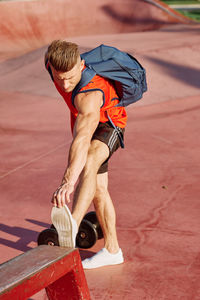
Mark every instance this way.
x=65 y=225
x=103 y=258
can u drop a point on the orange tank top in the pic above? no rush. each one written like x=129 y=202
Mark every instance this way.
x=118 y=115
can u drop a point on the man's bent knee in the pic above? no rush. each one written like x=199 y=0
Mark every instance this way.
x=97 y=154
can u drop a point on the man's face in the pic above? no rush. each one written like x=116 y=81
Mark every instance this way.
x=67 y=81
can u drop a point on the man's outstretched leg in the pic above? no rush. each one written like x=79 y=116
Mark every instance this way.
x=87 y=186
x=111 y=254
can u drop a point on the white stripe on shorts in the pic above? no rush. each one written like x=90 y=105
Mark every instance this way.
x=112 y=139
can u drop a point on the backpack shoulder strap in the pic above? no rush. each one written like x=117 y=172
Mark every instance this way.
x=47 y=66
x=86 y=77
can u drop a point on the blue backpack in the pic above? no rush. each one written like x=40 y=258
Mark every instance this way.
x=127 y=73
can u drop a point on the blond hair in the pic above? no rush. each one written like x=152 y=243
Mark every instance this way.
x=63 y=55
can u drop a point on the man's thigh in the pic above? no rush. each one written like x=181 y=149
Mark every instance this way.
x=109 y=136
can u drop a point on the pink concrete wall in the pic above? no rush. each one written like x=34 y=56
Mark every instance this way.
x=30 y=24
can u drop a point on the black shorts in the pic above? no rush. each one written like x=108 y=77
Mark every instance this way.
x=107 y=134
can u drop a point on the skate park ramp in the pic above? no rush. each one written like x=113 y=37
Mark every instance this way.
x=154 y=181
x=27 y=25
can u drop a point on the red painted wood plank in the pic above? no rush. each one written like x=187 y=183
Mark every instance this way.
x=41 y=267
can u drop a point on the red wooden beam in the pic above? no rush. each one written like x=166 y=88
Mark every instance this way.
x=57 y=269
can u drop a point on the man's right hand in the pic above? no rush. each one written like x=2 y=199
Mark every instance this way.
x=62 y=195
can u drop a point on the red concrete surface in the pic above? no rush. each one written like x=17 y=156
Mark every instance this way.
x=154 y=182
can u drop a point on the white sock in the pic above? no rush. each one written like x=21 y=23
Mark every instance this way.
x=103 y=258
x=65 y=225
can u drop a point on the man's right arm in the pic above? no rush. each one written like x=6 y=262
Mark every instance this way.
x=88 y=106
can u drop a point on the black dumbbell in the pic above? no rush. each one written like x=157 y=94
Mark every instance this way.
x=89 y=232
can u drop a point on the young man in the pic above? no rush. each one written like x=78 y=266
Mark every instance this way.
x=94 y=141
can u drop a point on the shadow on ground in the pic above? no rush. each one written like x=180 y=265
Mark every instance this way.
x=186 y=74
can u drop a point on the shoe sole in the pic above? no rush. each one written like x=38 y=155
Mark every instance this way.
x=62 y=220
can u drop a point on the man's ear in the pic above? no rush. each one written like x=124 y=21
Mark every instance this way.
x=82 y=64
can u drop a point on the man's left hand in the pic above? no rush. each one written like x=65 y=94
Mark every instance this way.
x=62 y=194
